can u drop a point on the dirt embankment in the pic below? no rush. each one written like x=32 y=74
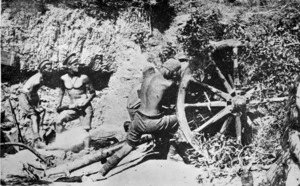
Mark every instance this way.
x=60 y=32
x=127 y=47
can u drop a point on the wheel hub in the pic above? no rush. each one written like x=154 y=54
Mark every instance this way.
x=239 y=103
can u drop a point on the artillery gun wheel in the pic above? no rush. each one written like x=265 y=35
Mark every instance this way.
x=226 y=105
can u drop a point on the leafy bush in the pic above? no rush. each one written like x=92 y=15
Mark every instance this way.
x=273 y=55
x=271 y=58
x=197 y=33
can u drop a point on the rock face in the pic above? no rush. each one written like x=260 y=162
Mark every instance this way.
x=114 y=97
x=59 y=31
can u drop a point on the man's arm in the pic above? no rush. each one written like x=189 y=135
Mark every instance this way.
x=170 y=95
x=61 y=93
x=184 y=65
x=90 y=90
x=169 y=99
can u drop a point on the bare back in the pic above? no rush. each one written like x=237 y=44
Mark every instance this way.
x=32 y=85
x=152 y=90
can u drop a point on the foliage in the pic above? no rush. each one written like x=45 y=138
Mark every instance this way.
x=270 y=58
x=273 y=55
x=197 y=33
x=32 y=7
x=167 y=52
x=222 y=156
x=100 y=9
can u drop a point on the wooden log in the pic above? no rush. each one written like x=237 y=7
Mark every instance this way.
x=64 y=170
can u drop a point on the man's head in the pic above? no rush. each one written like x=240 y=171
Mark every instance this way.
x=98 y=58
x=45 y=67
x=72 y=63
x=96 y=62
x=172 y=67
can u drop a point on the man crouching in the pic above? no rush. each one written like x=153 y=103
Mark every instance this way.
x=149 y=119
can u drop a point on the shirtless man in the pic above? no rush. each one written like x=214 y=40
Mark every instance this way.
x=29 y=99
x=81 y=92
x=149 y=118
x=134 y=101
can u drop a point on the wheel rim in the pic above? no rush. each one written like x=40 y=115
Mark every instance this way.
x=234 y=106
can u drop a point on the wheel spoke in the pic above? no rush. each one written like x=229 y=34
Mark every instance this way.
x=226 y=124
x=224 y=81
x=207 y=104
x=238 y=127
x=250 y=122
x=279 y=99
x=231 y=81
x=218 y=116
x=235 y=68
x=213 y=89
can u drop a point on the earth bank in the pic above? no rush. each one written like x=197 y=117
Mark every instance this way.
x=127 y=47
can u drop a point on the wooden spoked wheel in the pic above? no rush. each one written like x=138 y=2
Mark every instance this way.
x=228 y=107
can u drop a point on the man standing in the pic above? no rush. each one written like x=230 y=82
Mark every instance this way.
x=149 y=119
x=81 y=92
x=29 y=99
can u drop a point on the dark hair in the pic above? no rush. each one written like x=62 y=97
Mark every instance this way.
x=98 y=56
x=93 y=64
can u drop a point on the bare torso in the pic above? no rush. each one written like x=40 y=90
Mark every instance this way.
x=75 y=86
x=152 y=90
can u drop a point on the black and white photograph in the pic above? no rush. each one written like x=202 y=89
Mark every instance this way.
x=150 y=92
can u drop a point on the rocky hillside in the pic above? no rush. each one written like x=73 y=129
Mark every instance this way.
x=59 y=31
x=133 y=34
x=128 y=43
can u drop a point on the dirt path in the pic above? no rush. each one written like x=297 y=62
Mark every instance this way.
x=137 y=169
x=141 y=169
